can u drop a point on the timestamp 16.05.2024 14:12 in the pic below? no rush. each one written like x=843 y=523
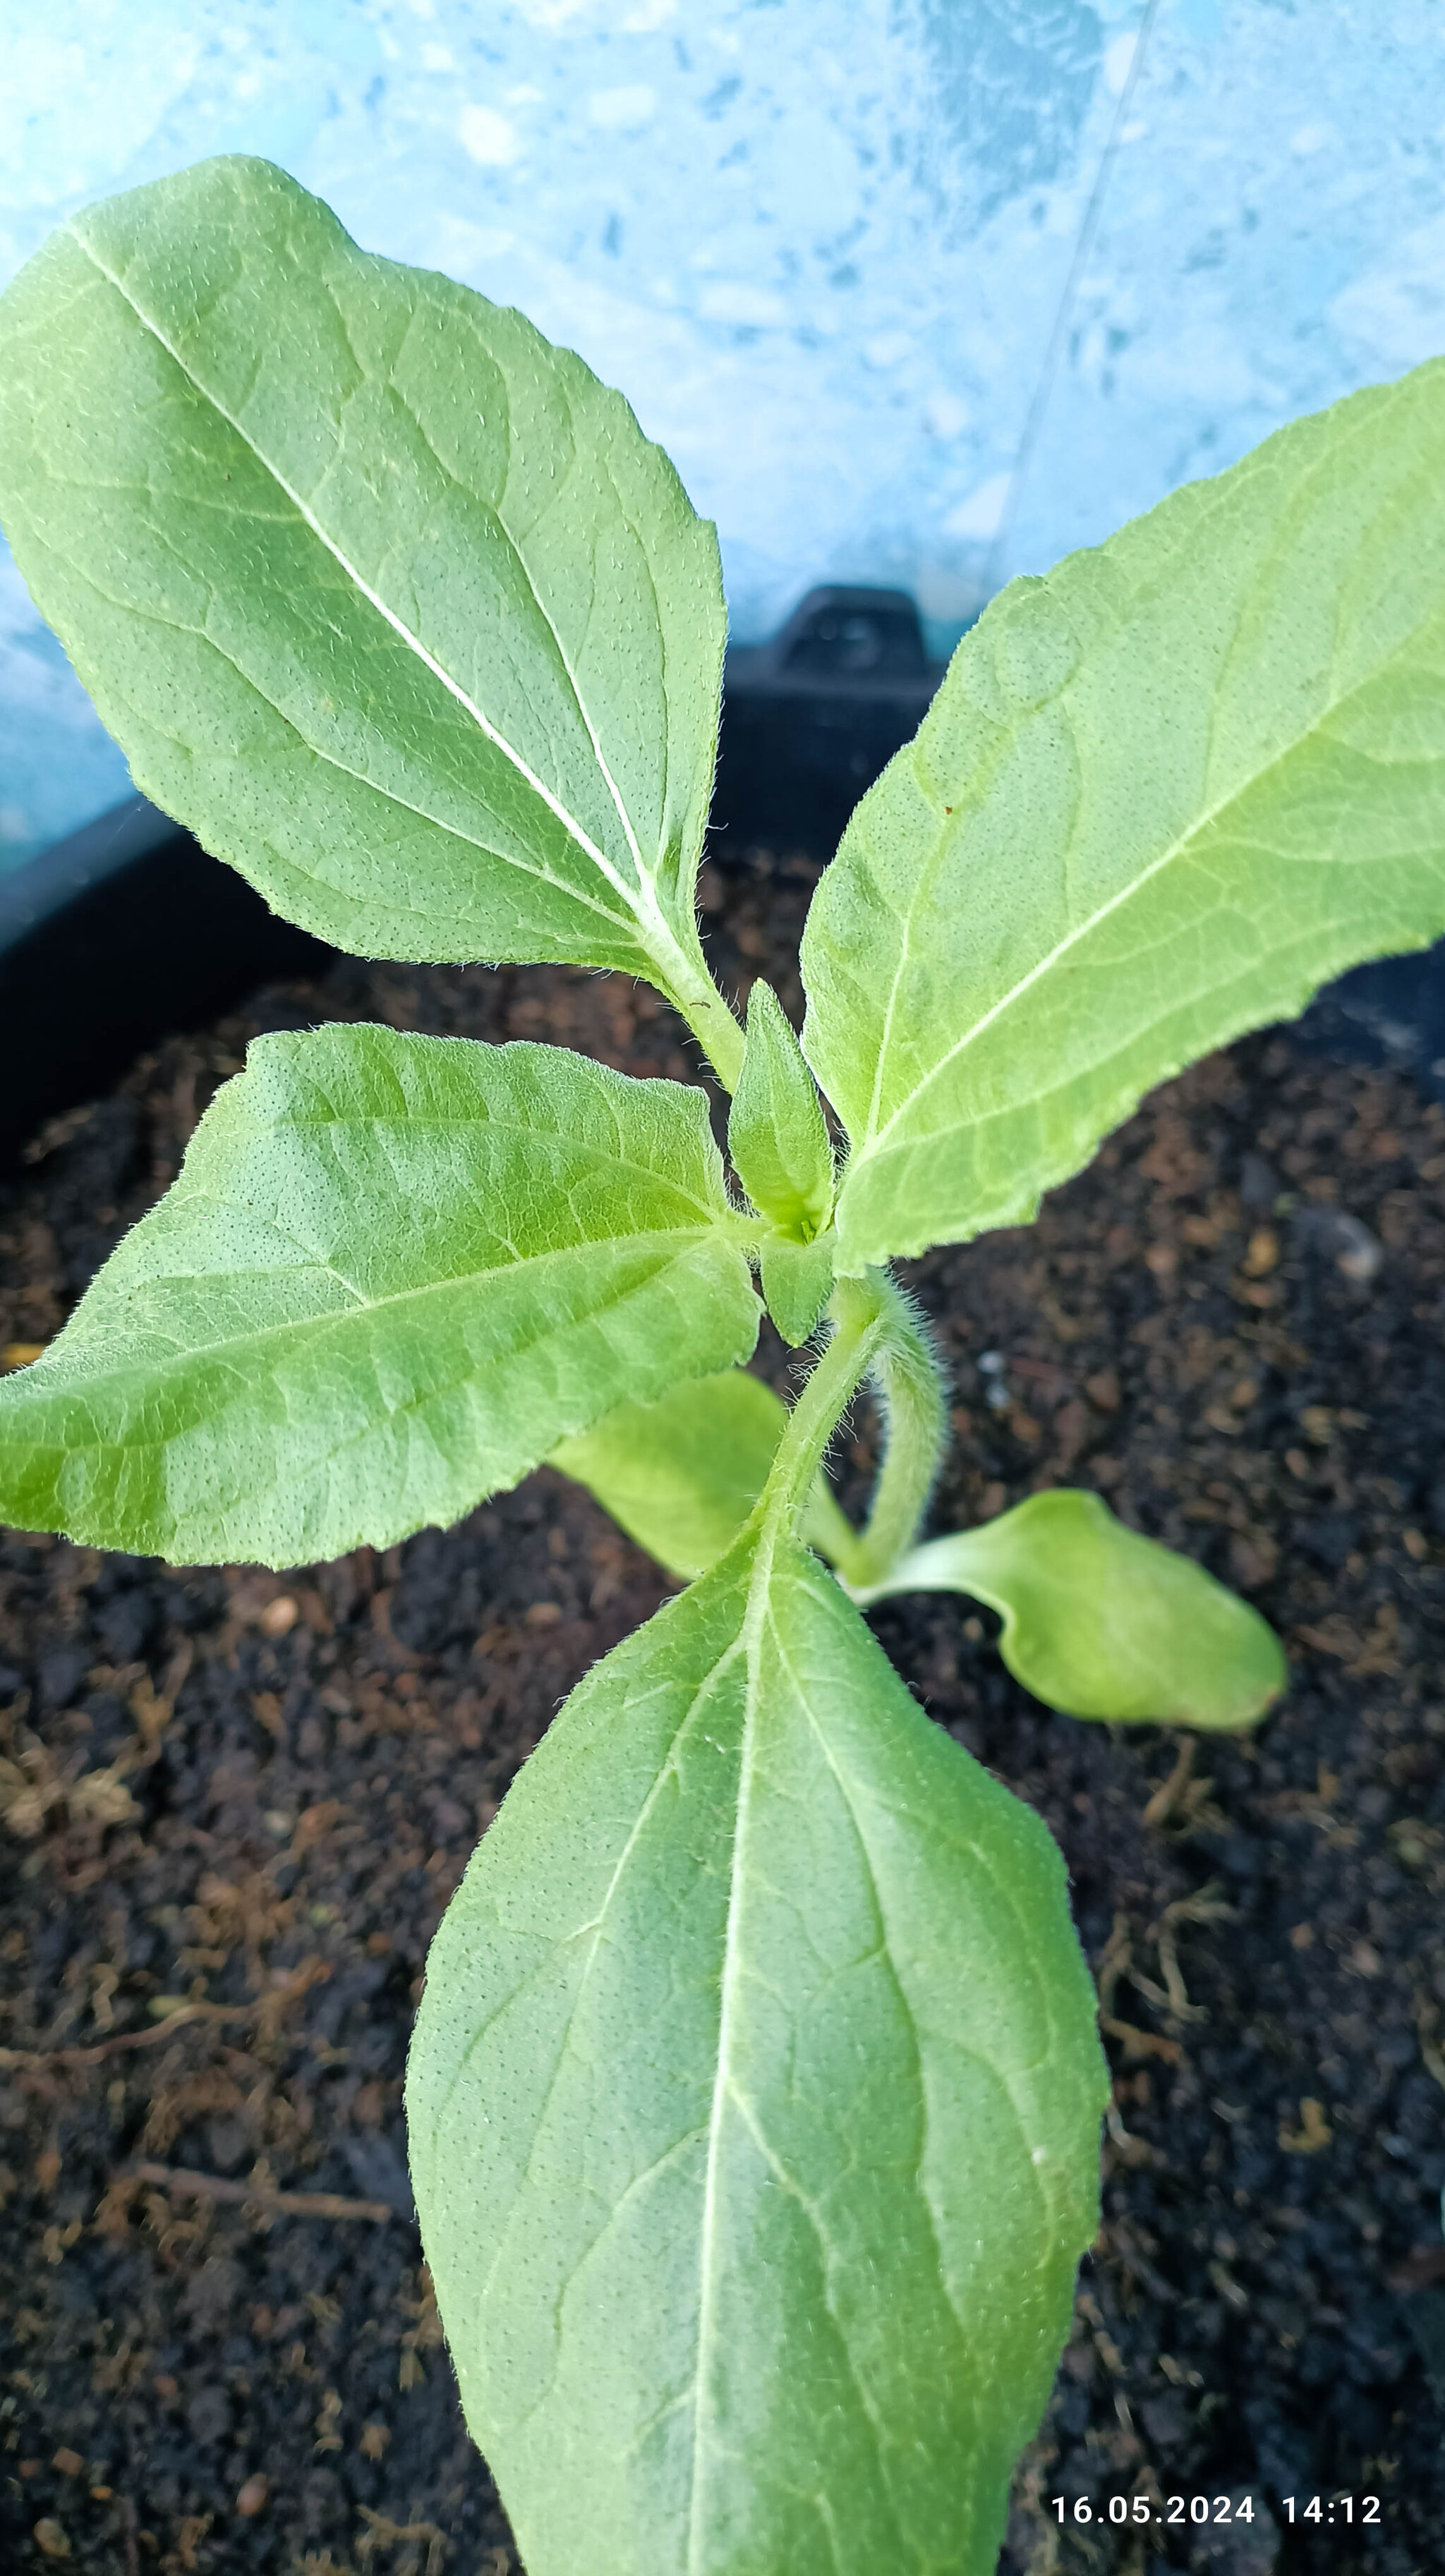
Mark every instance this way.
x=1344 y=2508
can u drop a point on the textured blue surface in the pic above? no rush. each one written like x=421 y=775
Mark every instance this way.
x=918 y=291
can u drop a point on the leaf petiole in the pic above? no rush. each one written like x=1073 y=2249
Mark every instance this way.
x=695 y=996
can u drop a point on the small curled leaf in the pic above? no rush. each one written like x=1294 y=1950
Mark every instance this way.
x=1099 y=1622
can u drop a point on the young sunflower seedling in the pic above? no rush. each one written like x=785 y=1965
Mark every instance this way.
x=755 y=2090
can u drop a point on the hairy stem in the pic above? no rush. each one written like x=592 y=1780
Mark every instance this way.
x=858 y=1311
x=910 y=1389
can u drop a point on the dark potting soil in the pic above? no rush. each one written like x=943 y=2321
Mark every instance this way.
x=235 y=1804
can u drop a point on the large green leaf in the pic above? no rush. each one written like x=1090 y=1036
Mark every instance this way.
x=1101 y=1622
x=682 y=1475
x=385 y=597
x=1161 y=795
x=394 y=1271
x=754 y=2109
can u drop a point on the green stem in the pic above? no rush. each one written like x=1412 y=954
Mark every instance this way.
x=877 y=1333
x=913 y=1401
x=859 y=1313
x=910 y=1389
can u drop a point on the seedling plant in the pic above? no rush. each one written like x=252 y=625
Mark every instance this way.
x=755 y=2090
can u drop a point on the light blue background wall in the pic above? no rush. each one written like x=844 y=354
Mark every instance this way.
x=918 y=291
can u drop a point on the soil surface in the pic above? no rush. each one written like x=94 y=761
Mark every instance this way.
x=235 y=1804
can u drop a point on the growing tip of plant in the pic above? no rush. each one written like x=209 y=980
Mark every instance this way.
x=777 y=1134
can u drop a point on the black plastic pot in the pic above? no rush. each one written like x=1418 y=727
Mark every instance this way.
x=113 y=937
x=128 y=930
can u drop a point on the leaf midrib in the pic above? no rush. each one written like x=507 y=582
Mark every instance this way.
x=754 y=1617
x=495 y=513
x=570 y=823
x=675 y=1240
x=603 y=1158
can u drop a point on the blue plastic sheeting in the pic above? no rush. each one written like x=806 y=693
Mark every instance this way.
x=915 y=291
